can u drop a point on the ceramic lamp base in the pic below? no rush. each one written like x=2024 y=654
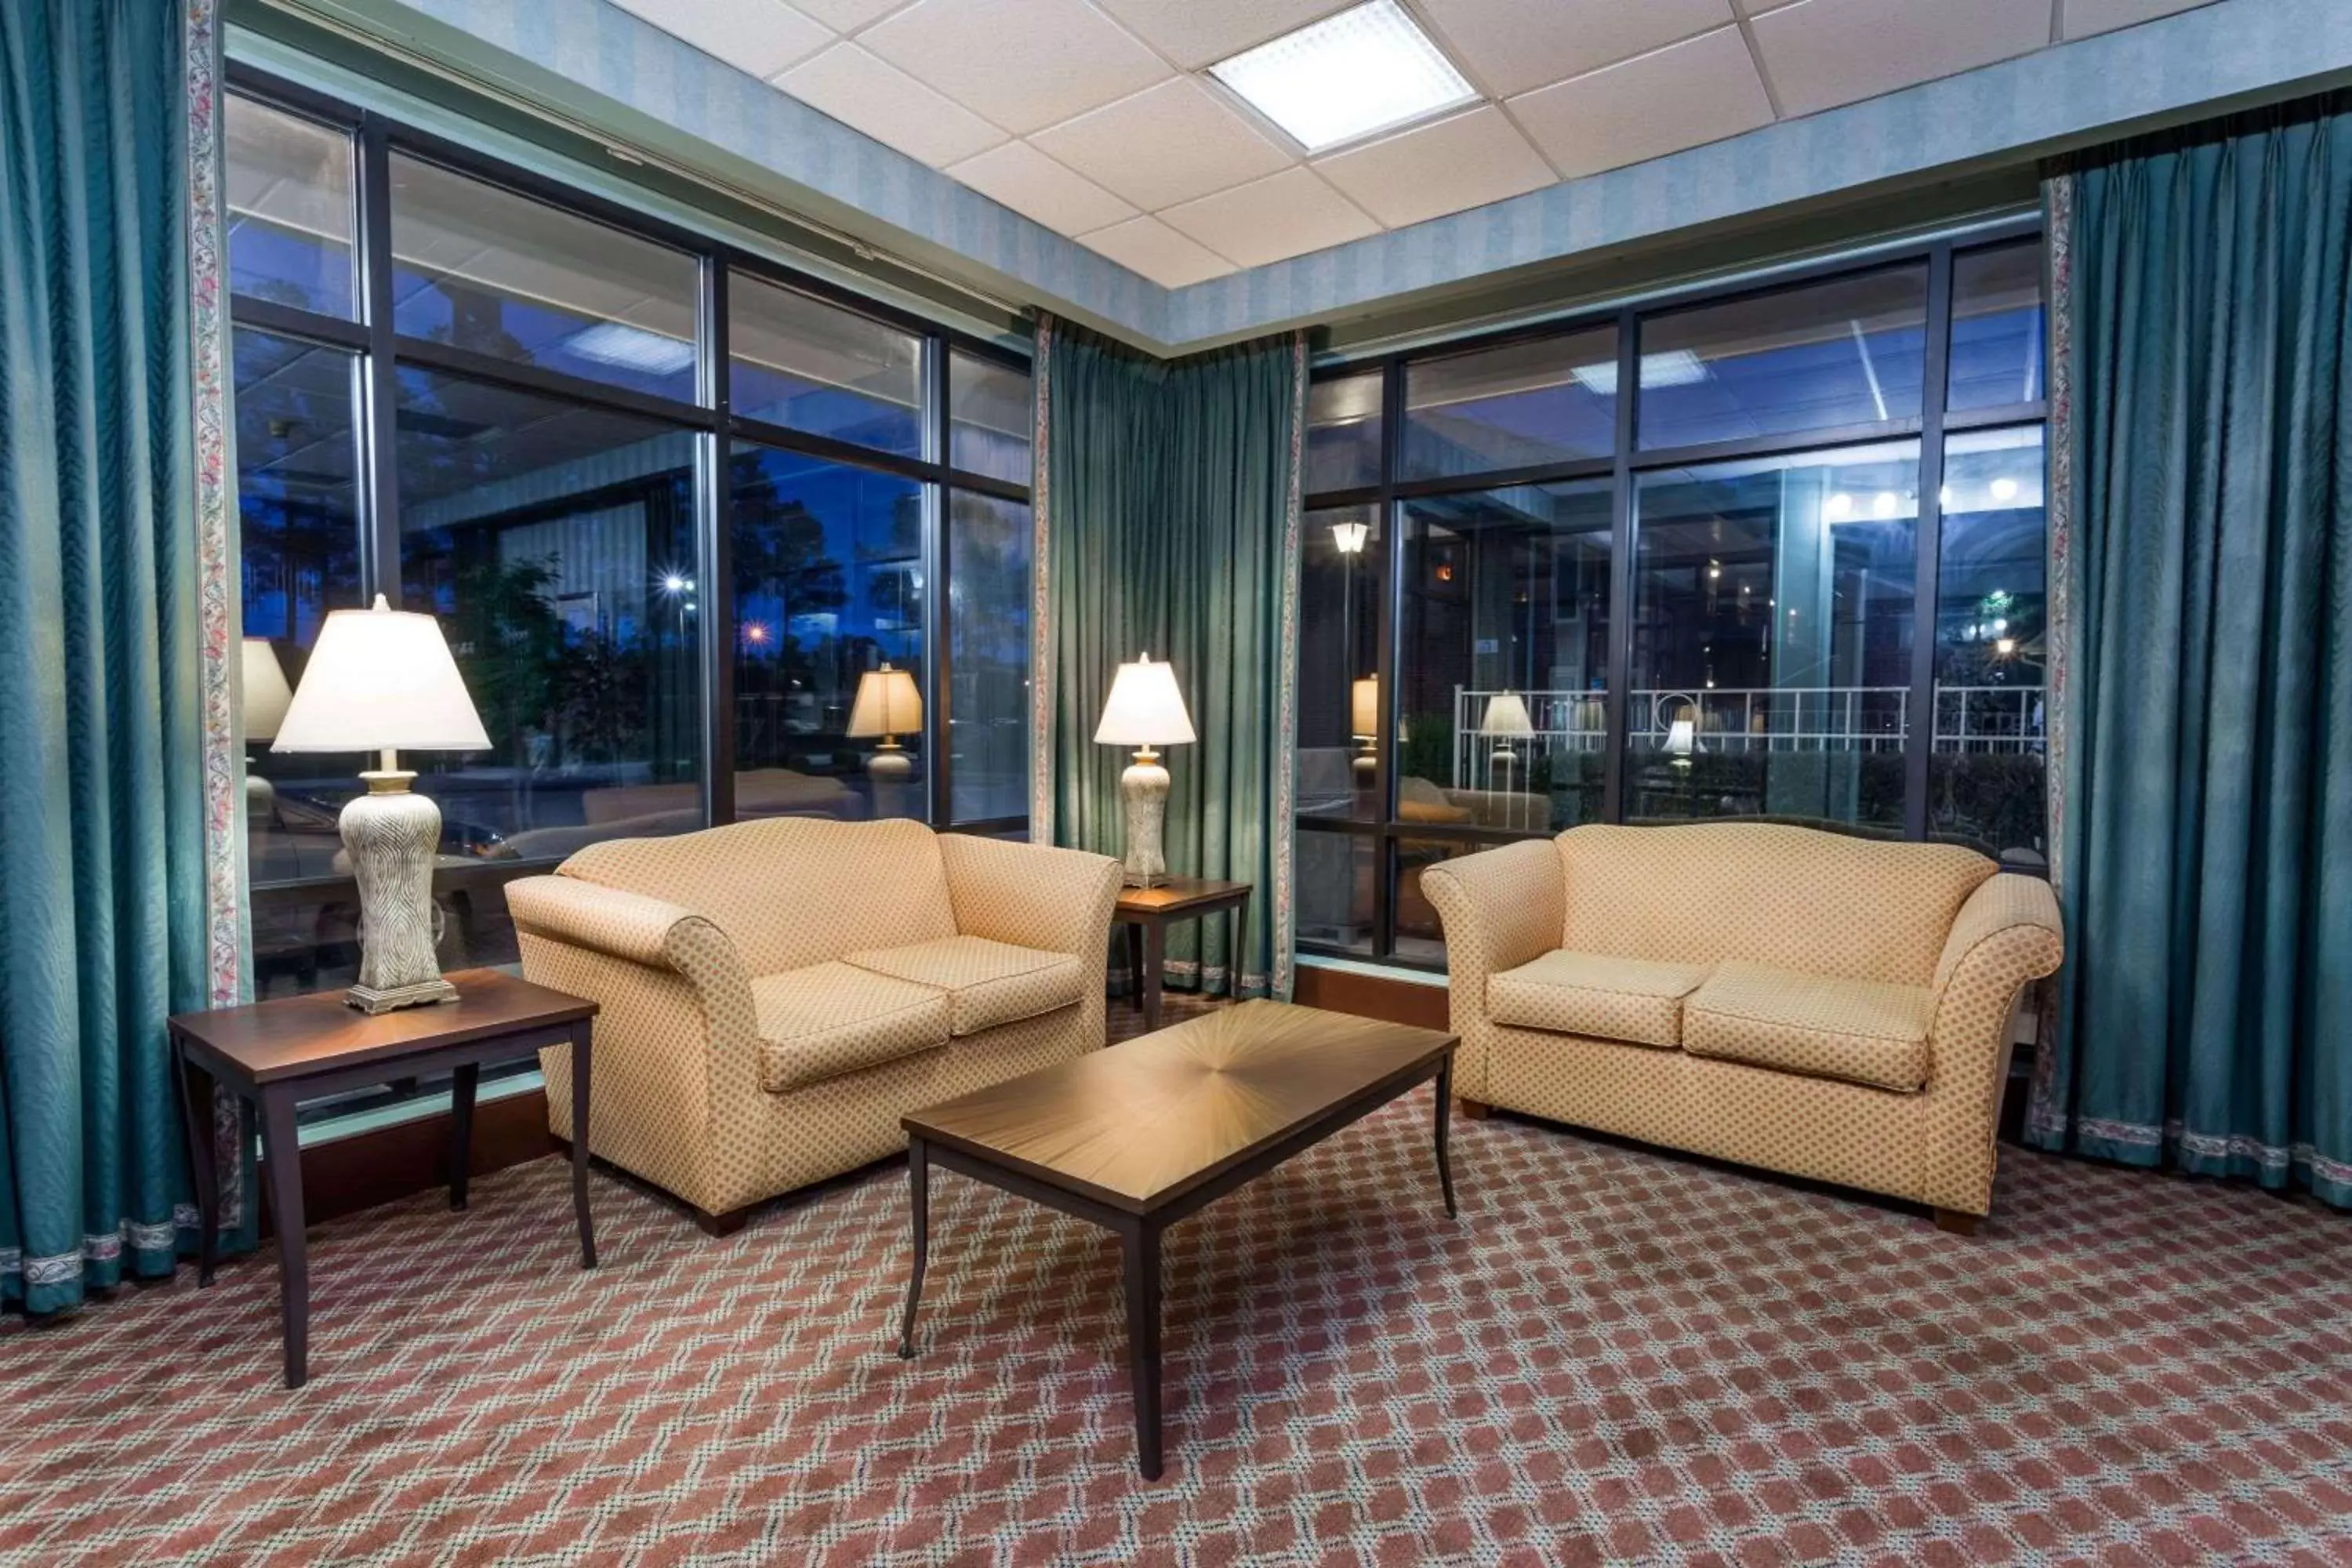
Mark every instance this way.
x=1144 y=790
x=889 y=762
x=390 y=835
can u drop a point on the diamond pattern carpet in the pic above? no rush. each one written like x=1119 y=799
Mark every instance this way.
x=1614 y=1355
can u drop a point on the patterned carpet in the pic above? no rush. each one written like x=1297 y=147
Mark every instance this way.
x=1614 y=1355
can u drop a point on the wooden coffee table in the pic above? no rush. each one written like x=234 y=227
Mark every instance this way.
x=1140 y=1135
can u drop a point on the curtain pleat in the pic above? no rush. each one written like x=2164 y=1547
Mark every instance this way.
x=105 y=849
x=1171 y=492
x=2205 y=559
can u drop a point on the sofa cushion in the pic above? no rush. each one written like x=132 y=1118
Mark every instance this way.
x=1628 y=999
x=986 y=982
x=1863 y=1031
x=831 y=1019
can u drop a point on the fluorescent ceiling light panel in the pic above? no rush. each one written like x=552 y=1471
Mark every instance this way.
x=1366 y=70
x=1675 y=367
x=632 y=348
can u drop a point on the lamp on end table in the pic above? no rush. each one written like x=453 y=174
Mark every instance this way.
x=383 y=681
x=1145 y=710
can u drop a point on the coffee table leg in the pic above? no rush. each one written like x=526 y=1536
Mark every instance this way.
x=1444 y=1121
x=918 y=1191
x=1142 y=1249
x=196 y=1098
x=582 y=1035
x=282 y=1152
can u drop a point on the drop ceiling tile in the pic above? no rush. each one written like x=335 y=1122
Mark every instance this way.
x=1020 y=64
x=848 y=15
x=1166 y=144
x=1823 y=53
x=1511 y=46
x=1687 y=94
x=1272 y=219
x=1036 y=186
x=889 y=105
x=1196 y=33
x=1757 y=8
x=761 y=37
x=2084 y=17
x=1447 y=167
x=1146 y=245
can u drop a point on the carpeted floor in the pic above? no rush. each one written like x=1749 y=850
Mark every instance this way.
x=1613 y=1355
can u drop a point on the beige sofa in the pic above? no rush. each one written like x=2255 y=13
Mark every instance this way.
x=1803 y=1001
x=776 y=994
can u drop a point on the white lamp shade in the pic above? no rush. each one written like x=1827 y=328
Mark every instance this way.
x=266 y=694
x=1145 y=709
x=1681 y=737
x=1506 y=714
x=887 y=703
x=381 y=679
x=1364 y=709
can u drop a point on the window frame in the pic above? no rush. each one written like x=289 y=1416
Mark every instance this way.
x=1929 y=428
x=380 y=352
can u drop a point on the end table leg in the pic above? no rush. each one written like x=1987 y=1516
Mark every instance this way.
x=462 y=1083
x=1445 y=1123
x=919 y=1193
x=1135 y=963
x=196 y=1101
x=282 y=1152
x=582 y=1034
x=1142 y=1251
x=1155 y=971
x=1237 y=961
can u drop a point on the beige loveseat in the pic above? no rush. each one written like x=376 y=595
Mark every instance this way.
x=1803 y=1001
x=776 y=994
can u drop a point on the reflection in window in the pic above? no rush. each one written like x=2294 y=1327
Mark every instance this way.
x=808 y=365
x=1343 y=433
x=1505 y=651
x=1335 y=889
x=482 y=268
x=1339 y=663
x=1997 y=326
x=1771 y=666
x=1850 y=350
x=990 y=412
x=1985 y=785
x=289 y=209
x=828 y=589
x=1544 y=401
x=988 y=545
x=1420 y=934
x=556 y=543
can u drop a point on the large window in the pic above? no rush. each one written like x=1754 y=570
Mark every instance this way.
x=1667 y=565
x=707 y=541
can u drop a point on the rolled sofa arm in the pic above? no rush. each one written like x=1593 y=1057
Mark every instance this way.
x=611 y=920
x=2009 y=932
x=1031 y=895
x=1500 y=908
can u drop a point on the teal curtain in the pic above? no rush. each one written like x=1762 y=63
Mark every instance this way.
x=1172 y=528
x=2204 y=284
x=103 y=923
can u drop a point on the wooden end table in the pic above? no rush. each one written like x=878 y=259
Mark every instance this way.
x=1147 y=912
x=280 y=1052
x=1137 y=1136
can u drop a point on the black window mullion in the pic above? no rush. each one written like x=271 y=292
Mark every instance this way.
x=937 y=564
x=1919 y=731
x=1616 y=703
x=715 y=552
x=379 y=488
x=1388 y=658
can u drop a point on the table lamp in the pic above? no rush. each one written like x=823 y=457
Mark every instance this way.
x=1145 y=710
x=1364 y=721
x=1507 y=715
x=887 y=705
x=383 y=681
x=266 y=697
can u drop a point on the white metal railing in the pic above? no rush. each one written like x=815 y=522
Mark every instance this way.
x=1978 y=720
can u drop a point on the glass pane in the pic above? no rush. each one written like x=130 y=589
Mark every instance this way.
x=289 y=209
x=828 y=588
x=1850 y=350
x=1420 y=934
x=990 y=409
x=1545 y=401
x=1338 y=660
x=1772 y=625
x=1985 y=785
x=556 y=543
x=1335 y=889
x=1997 y=326
x=1505 y=658
x=1343 y=433
x=298 y=547
x=987 y=656
x=808 y=366
x=483 y=268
